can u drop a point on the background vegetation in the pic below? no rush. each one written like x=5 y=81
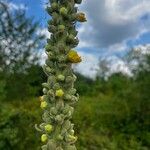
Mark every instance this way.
x=112 y=114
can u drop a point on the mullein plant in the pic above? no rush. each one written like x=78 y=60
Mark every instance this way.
x=60 y=96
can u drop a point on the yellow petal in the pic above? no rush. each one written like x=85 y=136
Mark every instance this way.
x=59 y=93
x=74 y=57
x=81 y=17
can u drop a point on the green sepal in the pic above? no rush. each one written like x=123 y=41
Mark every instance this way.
x=51 y=28
x=44 y=147
x=54 y=6
x=49 y=10
x=70 y=147
x=45 y=85
x=51 y=145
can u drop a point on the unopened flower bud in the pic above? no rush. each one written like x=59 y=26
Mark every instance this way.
x=72 y=132
x=44 y=138
x=68 y=97
x=69 y=79
x=70 y=37
x=44 y=90
x=59 y=118
x=71 y=138
x=72 y=91
x=56 y=86
x=53 y=111
x=48 y=128
x=63 y=11
x=61 y=77
x=54 y=6
x=61 y=58
x=60 y=137
x=61 y=28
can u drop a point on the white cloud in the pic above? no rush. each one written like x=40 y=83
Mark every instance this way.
x=14 y=6
x=89 y=65
x=43 y=31
x=118 y=65
x=143 y=49
x=113 y=22
x=42 y=56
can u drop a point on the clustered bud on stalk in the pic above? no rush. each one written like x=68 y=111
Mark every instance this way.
x=59 y=93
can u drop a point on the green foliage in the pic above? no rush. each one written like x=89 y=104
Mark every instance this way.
x=102 y=122
x=112 y=115
x=2 y=89
x=20 y=85
x=108 y=123
x=19 y=44
x=17 y=125
x=19 y=40
x=84 y=85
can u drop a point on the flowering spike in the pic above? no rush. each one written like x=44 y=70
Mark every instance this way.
x=59 y=95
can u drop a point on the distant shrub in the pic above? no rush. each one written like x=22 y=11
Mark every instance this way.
x=2 y=89
x=17 y=126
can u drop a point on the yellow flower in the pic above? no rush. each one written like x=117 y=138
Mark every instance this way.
x=81 y=17
x=59 y=93
x=44 y=138
x=74 y=57
x=48 y=128
x=43 y=104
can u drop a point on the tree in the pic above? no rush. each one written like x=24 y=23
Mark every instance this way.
x=139 y=59
x=19 y=42
x=104 y=68
x=19 y=46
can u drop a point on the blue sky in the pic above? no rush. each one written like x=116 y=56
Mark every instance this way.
x=113 y=27
x=35 y=8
